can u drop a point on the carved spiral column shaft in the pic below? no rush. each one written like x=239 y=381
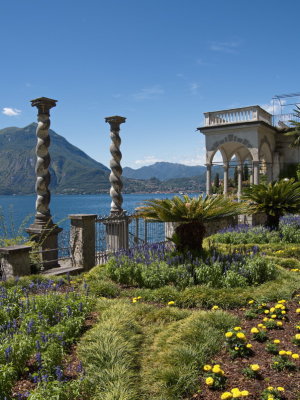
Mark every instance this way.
x=115 y=165
x=43 y=215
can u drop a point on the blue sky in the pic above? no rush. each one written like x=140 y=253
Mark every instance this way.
x=159 y=63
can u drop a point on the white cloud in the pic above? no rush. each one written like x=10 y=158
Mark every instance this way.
x=194 y=86
x=149 y=93
x=225 y=47
x=274 y=108
x=11 y=112
x=148 y=160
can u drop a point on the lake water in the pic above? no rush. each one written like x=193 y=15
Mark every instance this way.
x=18 y=210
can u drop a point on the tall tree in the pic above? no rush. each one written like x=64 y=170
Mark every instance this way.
x=235 y=177
x=217 y=180
x=246 y=172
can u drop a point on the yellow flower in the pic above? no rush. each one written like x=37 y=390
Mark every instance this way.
x=236 y=348
x=267 y=311
x=298 y=310
x=270 y=398
x=279 y=323
x=207 y=367
x=249 y=345
x=281 y=301
x=283 y=312
x=297 y=336
x=295 y=356
x=237 y=328
x=276 y=341
x=270 y=388
x=226 y=395
x=139 y=297
x=244 y=393
x=209 y=381
x=260 y=325
x=216 y=369
x=282 y=352
x=255 y=367
x=250 y=301
x=235 y=393
x=280 y=389
x=254 y=330
x=134 y=300
x=273 y=316
x=228 y=334
x=241 y=335
x=215 y=308
x=288 y=353
x=266 y=319
x=272 y=309
x=171 y=303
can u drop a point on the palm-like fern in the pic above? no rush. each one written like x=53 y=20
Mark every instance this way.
x=275 y=199
x=296 y=132
x=191 y=213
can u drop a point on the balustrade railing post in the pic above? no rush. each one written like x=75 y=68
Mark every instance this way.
x=83 y=240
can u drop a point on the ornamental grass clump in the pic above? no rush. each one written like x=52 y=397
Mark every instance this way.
x=214 y=376
x=236 y=343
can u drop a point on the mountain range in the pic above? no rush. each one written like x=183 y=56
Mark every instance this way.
x=73 y=171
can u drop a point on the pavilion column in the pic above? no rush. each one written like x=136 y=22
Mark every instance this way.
x=239 y=188
x=225 y=180
x=255 y=172
x=208 y=179
x=43 y=231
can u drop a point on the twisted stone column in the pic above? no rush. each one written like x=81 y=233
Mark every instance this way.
x=43 y=231
x=116 y=169
x=43 y=216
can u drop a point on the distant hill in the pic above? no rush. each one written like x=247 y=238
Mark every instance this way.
x=72 y=171
x=164 y=171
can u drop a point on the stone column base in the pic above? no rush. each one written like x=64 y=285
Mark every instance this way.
x=47 y=240
x=15 y=261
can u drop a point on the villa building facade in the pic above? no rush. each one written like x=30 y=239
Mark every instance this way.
x=247 y=135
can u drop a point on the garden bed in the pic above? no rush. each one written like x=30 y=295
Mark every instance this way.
x=145 y=328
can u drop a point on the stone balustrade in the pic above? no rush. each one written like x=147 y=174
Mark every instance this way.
x=237 y=115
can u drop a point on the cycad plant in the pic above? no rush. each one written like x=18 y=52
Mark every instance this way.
x=191 y=213
x=274 y=199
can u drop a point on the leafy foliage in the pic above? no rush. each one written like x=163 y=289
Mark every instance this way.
x=191 y=213
x=296 y=132
x=274 y=199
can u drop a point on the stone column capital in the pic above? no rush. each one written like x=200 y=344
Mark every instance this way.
x=43 y=104
x=115 y=121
